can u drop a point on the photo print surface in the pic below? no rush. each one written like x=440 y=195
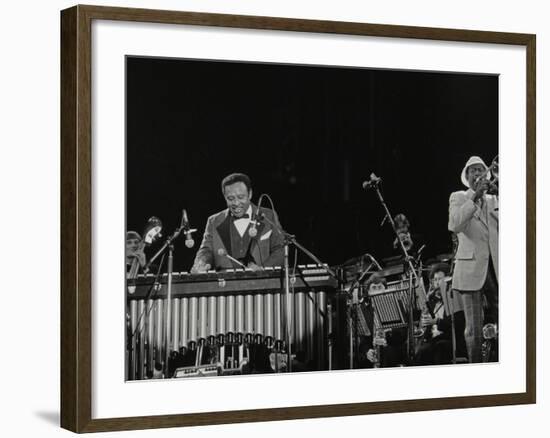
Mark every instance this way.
x=293 y=218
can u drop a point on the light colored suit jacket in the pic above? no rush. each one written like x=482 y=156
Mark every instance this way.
x=267 y=248
x=477 y=230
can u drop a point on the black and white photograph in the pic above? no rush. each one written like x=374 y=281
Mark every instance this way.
x=274 y=218
x=285 y=218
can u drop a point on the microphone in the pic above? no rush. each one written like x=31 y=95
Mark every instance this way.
x=372 y=182
x=253 y=230
x=187 y=230
x=223 y=253
x=189 y=242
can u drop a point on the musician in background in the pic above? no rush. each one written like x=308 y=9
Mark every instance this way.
x=413 y=243
x=442 y=302
x=392 y=346
x=231 y=233
x=134 y=250
x=135 y=261
x=473 y=215
x=364 y=321
x=402 y=226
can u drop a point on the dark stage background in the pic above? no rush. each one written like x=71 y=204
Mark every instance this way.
x=308 y=136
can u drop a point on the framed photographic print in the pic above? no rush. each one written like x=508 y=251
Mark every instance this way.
x=270 y=218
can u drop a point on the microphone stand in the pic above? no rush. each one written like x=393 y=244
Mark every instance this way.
x=290 y=239
x=352 y=317
x=168 y=245
x=411 y=273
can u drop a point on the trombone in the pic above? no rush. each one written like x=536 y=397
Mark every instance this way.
x=492 y=170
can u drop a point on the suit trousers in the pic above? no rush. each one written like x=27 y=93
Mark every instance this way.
x=475 y=315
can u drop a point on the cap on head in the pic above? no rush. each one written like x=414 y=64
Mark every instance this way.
x=471 y=161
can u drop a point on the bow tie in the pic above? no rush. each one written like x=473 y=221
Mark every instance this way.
x=244 y=216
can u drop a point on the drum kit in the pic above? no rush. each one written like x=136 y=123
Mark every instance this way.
x=352 y=269
x=397 y=299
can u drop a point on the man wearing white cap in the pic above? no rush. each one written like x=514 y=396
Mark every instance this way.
x=473 y=216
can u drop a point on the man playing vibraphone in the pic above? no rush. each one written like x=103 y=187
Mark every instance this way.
x=231 y=238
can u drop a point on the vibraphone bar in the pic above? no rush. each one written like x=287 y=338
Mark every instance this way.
x=226 y=312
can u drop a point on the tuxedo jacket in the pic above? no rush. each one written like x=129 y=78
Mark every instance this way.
x=266 y=249
x=477 y=230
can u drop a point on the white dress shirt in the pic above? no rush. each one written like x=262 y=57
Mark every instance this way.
x=242 y=224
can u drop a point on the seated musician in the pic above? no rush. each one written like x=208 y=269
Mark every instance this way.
x=392 y=349
x=134 y=251
x=365 y=322
x=228 y=236
x=395 y=354
x=436 y=348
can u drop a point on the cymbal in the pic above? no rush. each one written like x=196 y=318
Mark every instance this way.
x=351 y=262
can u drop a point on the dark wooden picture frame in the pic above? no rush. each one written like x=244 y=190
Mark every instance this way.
x=76 y=218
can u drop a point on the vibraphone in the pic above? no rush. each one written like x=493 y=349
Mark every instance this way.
x=226 y=312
